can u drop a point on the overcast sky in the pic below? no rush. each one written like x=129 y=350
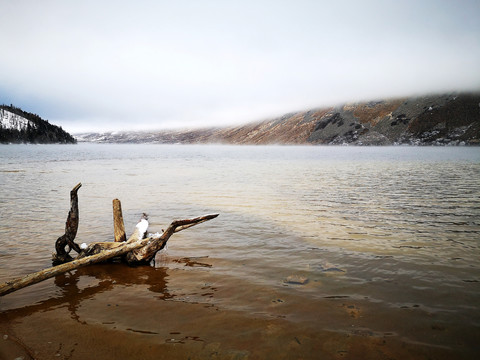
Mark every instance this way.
x=139 y=64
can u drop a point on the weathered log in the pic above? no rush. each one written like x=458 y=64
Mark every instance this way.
x=97 y=247
x=146 y=253
x=123 y=248
x=71 y=227
x=118 y=225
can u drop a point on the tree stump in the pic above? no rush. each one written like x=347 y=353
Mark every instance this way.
x=118 y=226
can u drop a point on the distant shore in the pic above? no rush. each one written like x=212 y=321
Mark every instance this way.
x=443 y=120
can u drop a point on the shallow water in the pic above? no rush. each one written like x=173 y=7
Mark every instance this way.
x=385 y=242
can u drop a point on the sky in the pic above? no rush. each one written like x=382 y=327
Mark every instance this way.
x=144 y=64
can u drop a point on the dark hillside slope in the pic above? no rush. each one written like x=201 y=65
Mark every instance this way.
x=18 y=126
x=430 y=120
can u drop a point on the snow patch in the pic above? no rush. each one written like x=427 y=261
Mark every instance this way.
x=155 y=235
x=142 y=227
x=9 y=120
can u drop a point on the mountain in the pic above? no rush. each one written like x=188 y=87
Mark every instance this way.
x=18 y=126
x=451 y=119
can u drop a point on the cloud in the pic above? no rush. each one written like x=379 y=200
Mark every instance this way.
x=150 y=64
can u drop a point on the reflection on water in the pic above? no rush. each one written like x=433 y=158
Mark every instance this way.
x=400 y=226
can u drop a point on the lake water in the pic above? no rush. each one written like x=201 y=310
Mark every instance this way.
x=318 y=252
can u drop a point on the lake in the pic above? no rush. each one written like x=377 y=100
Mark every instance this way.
x=318 y=252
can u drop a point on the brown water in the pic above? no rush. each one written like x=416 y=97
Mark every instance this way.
x=381 y=247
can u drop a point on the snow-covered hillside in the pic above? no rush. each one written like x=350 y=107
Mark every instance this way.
x=18 y=126
x=13 y=121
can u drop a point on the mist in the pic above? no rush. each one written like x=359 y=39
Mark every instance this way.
x=117 y=65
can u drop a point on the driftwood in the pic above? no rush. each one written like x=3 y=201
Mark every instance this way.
x=138 y=249
x=118 y=226
x=71 y=227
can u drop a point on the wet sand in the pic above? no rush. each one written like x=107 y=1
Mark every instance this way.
x=187 y=312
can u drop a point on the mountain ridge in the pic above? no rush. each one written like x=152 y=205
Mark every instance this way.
x=449 y=119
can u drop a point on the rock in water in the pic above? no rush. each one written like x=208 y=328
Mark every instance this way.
x=327 y=267
x=296 y=279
